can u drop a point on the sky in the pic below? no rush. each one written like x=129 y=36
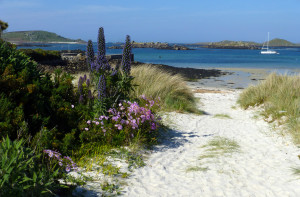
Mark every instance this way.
x=175 y=21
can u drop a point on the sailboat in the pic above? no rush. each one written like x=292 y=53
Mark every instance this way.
x=266 y=50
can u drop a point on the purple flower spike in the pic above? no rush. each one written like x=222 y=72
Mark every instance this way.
x=101 y=88
x=90 y=53
x=101 y=42
x=126 y=57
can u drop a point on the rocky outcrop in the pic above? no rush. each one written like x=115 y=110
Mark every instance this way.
x=233 y=45
x=155 y=45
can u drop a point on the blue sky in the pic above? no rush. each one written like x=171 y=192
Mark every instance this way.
x=186 y=21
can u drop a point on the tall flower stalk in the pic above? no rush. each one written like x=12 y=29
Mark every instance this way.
x=101 y=43
x=90 y=55
x=101 y=59
x=101 y=88
x=126 y=57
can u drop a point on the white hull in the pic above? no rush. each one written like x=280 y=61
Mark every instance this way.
x=268 y=52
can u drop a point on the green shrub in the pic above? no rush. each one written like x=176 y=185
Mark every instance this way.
x=33 y=99
x=40 y=55
x=22 y=173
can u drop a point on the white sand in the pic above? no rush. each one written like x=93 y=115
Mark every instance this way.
x=262 y=167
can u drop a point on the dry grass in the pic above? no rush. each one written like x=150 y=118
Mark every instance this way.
x=280 y=97
x=172 y=89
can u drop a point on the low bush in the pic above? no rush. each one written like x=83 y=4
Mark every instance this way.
x=40 y=55
x=25 y=173
x=280 y=97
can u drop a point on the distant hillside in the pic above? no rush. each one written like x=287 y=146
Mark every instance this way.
x=36 y=36
x=280 y=42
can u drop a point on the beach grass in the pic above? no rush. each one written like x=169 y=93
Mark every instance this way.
x=219 y=146
x=215 y=148
x=279 y=96
x=222 y=116
x=171 y=89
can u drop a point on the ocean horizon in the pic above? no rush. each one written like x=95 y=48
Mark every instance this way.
x=287 y=59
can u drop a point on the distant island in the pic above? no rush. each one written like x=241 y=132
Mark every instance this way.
x=32 y=37
x=155 y=45
x=227 y=44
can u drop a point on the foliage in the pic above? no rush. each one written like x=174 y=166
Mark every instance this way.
x=279 y=95
x=3 y=26
x=32 y=99
x=23 y=174
x=40 y=55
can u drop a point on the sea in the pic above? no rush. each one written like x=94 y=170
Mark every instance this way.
x=287 y=59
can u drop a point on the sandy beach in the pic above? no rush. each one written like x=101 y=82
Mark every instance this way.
x=227 y=151
x=181 y=166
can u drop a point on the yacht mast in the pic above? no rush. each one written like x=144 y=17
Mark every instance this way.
x=268 y=41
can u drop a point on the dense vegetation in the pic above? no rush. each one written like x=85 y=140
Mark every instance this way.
x=40 y=55
x=35 y=36
x=279 y=96
x=40 y=113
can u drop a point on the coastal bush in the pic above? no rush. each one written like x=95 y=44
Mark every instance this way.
x=25 y=173
x=30 y=100
x=40 y=55
x=280 y=97
x=171 y=89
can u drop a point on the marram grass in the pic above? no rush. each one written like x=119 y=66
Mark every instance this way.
x=172 y=89
x=280 y=97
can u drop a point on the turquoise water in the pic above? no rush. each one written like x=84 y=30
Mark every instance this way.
x=289 y=58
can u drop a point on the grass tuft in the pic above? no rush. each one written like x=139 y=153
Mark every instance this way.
x=172 y=89
x=222 y=116
x=196 y=168
x=280 y=97
x=215 y=148
x=219 y=146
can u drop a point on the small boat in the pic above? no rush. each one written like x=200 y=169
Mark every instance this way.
x=266 y=50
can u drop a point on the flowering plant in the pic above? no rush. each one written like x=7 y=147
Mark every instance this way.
x=123 y=123
x=65 y=162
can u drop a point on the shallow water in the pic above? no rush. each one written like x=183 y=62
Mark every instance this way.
x=289 y=58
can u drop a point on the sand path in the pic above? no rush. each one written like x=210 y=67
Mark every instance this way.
x=262 y=166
